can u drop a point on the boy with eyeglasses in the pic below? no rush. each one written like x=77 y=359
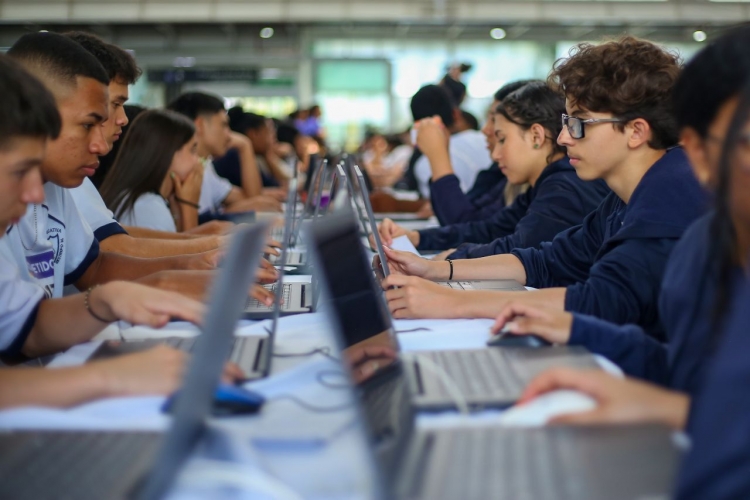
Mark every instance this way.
x=620 y=128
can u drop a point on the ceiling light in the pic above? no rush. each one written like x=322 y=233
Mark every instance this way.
x=266 y=32
x=699 y=36
x=497 y=33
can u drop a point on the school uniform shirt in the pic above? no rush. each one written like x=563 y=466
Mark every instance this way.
x=468 y=155
x=90 y=204
x=214 y=189
x=484 y=199
x=150 y=211
x=686 y=308
x=559 y=200
x=52 y=246
x=717 y=466
x=19 y=303
x=613 y=263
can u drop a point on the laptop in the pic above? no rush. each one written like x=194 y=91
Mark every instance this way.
x=245 y=351
x=491 y=377
x=297 y=297
x=479 y=461
x=93 y=465
x=505 y=285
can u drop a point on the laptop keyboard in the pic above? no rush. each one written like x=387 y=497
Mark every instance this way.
x=243 y=353
x=476 y=373
x=286 y=297
x=457 y=285
x=483 y=463
x=73 y=465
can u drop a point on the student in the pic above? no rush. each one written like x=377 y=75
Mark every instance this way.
x=111 y=235
x=706 y=264
x=52 y=245
x=31 y=325
x=526 y=125
x=450 y=204
x=621 y=130
x=468 y=155
x=156 y=180
x=214 y=140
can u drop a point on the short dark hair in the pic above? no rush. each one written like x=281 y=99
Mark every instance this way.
x=240 y=121
x=195 y=104
x=710 y=78
x=628 y=77
x=456 y=89
x=118 y=63
x=54 y=58
x=27 y=108
x=287 y=133
x=509 y=88
x=470 y=120
x=145 y=157
x=534 y=103
x=432 y=100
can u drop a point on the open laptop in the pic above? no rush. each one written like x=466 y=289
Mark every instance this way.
x=487 y=377
x=93 y=465
x=505 y=285
x=297 y=297
x=245 y=350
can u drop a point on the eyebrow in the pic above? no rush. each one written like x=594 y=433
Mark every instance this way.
x=121 y=98
x=96 y=116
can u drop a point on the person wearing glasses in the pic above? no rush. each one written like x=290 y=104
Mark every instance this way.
x=618 y=127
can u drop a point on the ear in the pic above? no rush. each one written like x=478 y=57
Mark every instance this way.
x=200 y=125
x=639 y=132
x=538 y=135
x=695 y=148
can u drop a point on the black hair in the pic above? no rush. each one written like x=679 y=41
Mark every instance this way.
x=57 y=58
x=145 y=157
x=195 y=104
x=286 y=133
x=27 y=108
x=536 y=103
x=118 y=63
x=432 y=100
x=106 y=161
x=470 y=120
x=511 y=87
x=710 y=78
x=455 y=88
x=240 y=121
x=724 y=254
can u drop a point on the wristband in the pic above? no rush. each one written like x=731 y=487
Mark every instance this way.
x=451 y=264
x=88 y=306
x=186 y=202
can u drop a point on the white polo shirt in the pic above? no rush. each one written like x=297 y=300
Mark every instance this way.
x=150 y=211
x=19 y=302
x=469 y=155
x=52 y=245
x=214 y=189
x=91 y=205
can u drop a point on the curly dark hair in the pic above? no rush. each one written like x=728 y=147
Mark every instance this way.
x=533 y=103
x=628 y=77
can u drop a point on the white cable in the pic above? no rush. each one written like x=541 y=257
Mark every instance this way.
x=450 y=386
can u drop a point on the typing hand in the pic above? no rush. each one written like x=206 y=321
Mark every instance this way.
x=143 y=305
x=156 y=371
x=262 y=295
x=415 y=297
x=389 y=230
x=618 y=400
x=521 y=319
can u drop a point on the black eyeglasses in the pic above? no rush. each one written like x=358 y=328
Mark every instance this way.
x=575 y=125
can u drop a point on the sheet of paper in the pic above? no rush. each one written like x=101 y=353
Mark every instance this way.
x=402 y=243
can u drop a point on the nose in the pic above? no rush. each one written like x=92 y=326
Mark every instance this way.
x=32 y=190
x=122 y=117
x=489 y=128
x=98 y=144
x=497 y=154
x=564 y=139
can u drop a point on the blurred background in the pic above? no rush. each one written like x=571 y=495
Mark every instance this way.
x=359 y=61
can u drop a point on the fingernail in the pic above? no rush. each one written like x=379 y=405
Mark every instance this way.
x=172 y=174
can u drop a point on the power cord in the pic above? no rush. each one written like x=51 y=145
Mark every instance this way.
x=321 y=378
x=412 y=330
x=323 y=351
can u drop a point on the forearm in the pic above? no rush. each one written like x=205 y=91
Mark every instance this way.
x=142 y=232
x=252 y=185
x=62 y=388
x=494 y=267
x=148 y=248
x=440 y=164
x=193 y=284
x=188 y=217
x=60 y=324
x=112 y=266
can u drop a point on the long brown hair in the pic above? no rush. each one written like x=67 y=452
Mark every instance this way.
x=145 y=157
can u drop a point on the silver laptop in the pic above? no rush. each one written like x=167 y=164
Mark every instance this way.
x=84 y=465
x=296 y=297
x=487 y=377
x=505 y=285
